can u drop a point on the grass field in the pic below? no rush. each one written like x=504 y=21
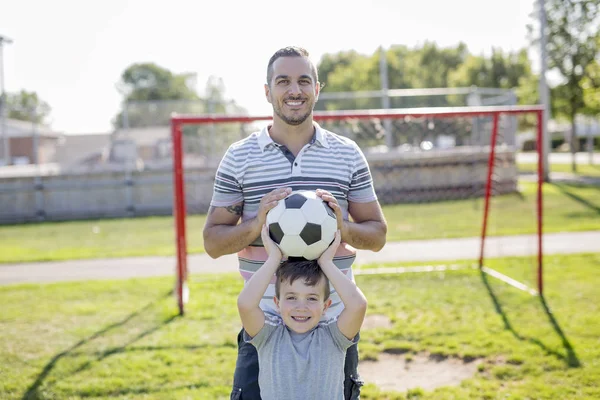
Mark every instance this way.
x=124 y=340
x=582 y=169
x=567 y=208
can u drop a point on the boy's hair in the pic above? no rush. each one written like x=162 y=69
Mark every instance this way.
x=308 y=270
x=290 y=51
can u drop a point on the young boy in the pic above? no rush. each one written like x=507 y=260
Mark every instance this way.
x=299 y=357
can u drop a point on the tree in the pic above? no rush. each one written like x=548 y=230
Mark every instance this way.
x=572 y=45
x=147 y=89
x=427 y=66
x=27 y=106
x=330 y=62
x=591 y=89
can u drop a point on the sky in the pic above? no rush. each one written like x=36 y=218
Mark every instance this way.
x=72 y=53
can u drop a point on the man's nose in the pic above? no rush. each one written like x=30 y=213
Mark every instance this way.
x=294 y=88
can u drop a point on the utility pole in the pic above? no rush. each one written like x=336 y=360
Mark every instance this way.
x=385 y=97
x=3 y=132
x=544 y=92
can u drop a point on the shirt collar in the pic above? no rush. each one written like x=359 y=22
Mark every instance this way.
x=264 y=139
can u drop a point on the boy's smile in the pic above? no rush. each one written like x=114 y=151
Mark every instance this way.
x=301 y=306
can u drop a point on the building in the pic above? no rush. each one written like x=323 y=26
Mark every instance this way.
x=29 y=143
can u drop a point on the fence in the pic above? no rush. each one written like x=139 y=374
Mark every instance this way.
x=436 y=159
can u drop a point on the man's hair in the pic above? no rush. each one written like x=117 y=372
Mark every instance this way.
x=290 y=51
x=307 y=270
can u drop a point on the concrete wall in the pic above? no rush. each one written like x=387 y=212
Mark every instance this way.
x=398 y=177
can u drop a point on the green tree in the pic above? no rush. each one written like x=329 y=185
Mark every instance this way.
x=330 y=62
x=427 y=66
x=500 y=70
x=27 y=106
x=420 y=67
x=572 y=46
x=151 y=93
x=591 y=89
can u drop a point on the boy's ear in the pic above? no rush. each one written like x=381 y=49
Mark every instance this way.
x=326 y=304
x=276 y=300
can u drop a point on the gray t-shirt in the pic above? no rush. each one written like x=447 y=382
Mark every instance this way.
x=297 y=366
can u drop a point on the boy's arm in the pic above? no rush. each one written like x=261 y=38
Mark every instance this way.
x=355 y=303
x=253 y=317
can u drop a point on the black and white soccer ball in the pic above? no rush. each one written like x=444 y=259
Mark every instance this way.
x=302 y=225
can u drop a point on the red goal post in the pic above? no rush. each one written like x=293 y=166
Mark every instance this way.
x=491 y=116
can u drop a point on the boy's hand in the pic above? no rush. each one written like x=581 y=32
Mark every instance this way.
x=270 y=246
x=330 y=252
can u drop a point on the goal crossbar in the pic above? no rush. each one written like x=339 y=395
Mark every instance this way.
x=178 y=119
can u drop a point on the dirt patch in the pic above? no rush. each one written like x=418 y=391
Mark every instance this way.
x=392 y=372
x=376 y=321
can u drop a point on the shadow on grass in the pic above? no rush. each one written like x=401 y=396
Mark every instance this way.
x=564 y=188
x=33 y=390
x=570 y=359
x=141 y=390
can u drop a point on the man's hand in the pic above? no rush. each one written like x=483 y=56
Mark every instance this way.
x=333 y=203
x=367 y=227
x=269 y=201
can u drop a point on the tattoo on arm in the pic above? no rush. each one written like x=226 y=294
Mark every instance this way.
x=237 y=209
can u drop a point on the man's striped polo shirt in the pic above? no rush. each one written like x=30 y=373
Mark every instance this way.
x=256 y=165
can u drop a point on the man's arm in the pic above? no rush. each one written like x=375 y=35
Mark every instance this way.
x=222 y=233
x=368 y=227
x=355 y=304
x=253 y=317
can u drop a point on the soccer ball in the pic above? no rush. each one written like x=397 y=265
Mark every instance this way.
x=302 y=225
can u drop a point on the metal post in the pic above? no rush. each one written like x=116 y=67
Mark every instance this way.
x=181 y=289
x=544 y=93
x=488 y=186
x=385 y=97
x=590 y=141
x=3 y=133
x=540 y=207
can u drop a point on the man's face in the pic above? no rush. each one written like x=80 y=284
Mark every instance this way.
x=301 y=306
x=293 y=90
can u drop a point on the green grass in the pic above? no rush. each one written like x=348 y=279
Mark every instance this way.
x=567 y=208
x=582 y=169
x=123 y=339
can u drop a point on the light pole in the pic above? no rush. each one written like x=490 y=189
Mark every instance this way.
x=3 y=133
x=544 y=92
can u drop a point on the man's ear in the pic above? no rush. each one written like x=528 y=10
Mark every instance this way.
x=267 y=92
x=326 y=304
x=317 y=90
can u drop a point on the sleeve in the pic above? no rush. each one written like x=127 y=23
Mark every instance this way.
x=227 y=189
x=361 y=184
x=272 y=323
x=341 y=341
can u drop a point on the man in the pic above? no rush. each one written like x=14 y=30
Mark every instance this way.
x=293 y=153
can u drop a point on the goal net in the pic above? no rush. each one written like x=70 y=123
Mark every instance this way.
x=448 y=180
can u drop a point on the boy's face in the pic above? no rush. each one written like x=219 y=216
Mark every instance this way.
x=301 y=306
